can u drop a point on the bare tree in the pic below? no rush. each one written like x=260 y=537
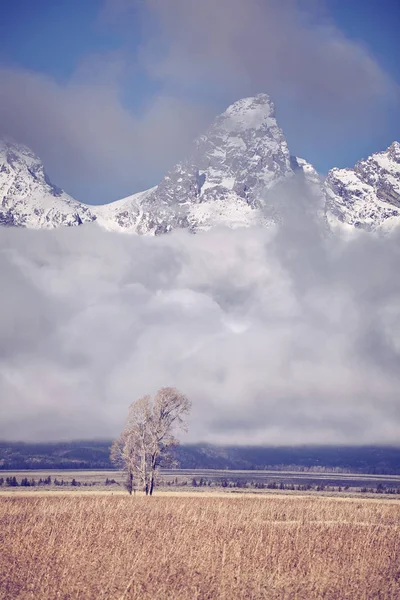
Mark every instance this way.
x=148 y=440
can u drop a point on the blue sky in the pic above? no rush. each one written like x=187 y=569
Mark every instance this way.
x=110 y=93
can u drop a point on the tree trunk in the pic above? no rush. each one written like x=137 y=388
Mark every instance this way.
x=153 y=472
x=129 y=483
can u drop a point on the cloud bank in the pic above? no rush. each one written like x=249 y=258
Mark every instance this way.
x=281 y=335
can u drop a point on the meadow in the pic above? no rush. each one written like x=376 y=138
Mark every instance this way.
x=205 y=546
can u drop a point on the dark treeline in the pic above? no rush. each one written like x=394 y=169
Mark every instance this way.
x=230 y=483
x=95 y=455
x=380 y=488
x=47 y=481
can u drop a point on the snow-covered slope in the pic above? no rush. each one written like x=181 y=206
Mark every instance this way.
x=126 y=214
x=367 y=196
x=28 y=199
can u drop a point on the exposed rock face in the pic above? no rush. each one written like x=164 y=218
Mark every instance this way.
x=28 y=198
x=243 y=153
x=367 y=196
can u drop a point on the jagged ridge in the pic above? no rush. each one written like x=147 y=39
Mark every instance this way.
x=367 y=196
x=224 y=181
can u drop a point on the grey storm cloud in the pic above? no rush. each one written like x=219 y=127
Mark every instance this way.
x=85 y=135
x=292 y=46
x=287 y=334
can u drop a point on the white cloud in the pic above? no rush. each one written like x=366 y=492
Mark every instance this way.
x=278 y=336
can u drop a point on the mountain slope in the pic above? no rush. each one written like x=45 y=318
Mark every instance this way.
x=367 y=196
x=28 y=199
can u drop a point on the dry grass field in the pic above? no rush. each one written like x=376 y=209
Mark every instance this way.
x=120 y=547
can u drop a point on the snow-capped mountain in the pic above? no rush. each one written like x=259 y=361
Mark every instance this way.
x=242 y=156
x=367 y=196
x=228 y=179
x=28 y=198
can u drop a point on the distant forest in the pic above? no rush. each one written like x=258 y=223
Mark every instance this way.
x=95 y=455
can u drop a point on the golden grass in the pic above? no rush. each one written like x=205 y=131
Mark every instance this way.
x=117 y=547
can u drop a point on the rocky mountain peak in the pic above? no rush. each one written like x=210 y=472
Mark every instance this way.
x=367 y=196
x=28 y=198
x=246 y=114
x=244 y=151
x=241 y=155
x=222 y=181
